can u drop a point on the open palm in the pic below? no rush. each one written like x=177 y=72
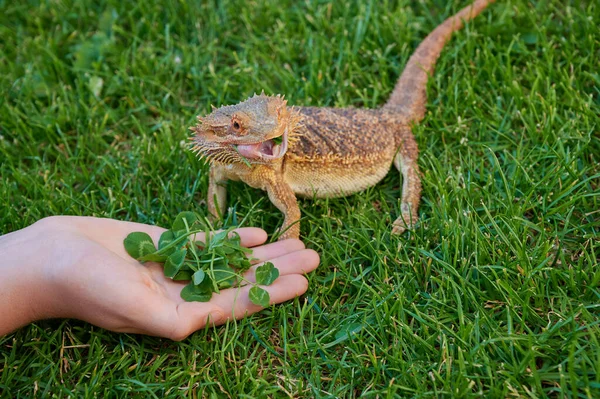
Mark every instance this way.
x=92 y=278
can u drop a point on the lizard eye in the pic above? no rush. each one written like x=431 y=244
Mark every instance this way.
x=236 y=127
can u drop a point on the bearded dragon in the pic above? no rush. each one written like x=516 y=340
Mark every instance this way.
x=323 y=152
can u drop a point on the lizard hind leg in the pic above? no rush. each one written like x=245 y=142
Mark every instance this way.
x=406 y=162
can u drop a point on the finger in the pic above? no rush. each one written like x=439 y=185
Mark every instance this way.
x=275 y=249
x=235 y=303
x=105 y=230
x=299 y=262
x=160 y=319
x=100 y=228
x=111 y=233
x=249 y=236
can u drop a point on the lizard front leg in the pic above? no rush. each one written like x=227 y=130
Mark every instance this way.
x=282 y=196
x=217 y=193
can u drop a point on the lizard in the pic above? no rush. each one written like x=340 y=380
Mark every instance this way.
x=291 y=151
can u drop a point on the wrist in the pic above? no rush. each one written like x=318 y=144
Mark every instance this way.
x=25 y=291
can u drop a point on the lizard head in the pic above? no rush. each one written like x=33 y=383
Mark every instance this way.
x=255 y=131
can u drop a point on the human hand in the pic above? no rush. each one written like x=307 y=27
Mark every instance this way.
x=77 y=267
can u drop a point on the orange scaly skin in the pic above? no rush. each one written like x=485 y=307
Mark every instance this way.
x=324 y=152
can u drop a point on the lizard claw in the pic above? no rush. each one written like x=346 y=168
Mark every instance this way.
x=398 y=228
x=404 y=221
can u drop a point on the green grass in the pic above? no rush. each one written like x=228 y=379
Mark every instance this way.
x=494 y=294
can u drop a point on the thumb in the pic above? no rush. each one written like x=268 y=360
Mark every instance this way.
x=193 y=316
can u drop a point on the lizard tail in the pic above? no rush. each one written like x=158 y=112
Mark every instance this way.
x=410 y=94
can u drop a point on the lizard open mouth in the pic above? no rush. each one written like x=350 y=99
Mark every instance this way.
x=268 y=150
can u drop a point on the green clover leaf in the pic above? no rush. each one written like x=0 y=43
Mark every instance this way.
x=266 y=274
x=139 y=244
x=259 y=296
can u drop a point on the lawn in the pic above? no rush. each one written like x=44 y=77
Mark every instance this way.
x=494 y=294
